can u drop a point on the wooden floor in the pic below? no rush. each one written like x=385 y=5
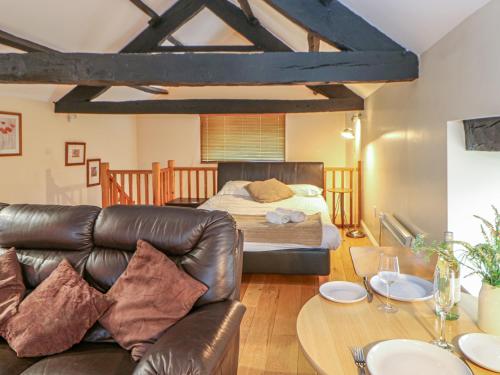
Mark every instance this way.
x=269 y=342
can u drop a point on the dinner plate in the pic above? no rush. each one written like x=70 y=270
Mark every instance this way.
x=342 y=291
x=407 y=288
x=411 y=357
x=482 y=349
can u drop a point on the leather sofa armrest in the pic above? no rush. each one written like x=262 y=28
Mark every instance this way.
x=196 y=344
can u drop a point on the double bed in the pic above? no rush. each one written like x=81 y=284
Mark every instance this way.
x=274 y=254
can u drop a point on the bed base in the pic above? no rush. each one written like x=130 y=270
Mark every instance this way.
x=288 y=262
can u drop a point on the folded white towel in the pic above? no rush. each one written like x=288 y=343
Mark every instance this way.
x=295 y=216
x=274 y=217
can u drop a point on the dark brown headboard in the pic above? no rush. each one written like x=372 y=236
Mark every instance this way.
x=287 y=172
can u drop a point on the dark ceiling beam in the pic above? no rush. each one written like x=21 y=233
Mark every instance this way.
x=207 y=69
x=245 y=7
x=23 y=44
x=151 y=90
x=154 y=17
x=173 y=40
x=173 y=18
x=183 y=48
x=210 y=106
x=313 y=42
x=334 y=22
x=256 y=34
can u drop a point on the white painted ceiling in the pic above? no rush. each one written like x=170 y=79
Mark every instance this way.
x=107 y=26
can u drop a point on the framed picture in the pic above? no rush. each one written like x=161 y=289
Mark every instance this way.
x=93 y=172
x=11 y=134
x=75 y=153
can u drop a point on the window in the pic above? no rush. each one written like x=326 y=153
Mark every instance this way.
x=242 y=137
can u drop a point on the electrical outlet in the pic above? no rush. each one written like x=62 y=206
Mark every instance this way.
x=375 y=211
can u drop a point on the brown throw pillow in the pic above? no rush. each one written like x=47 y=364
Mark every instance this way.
x=56 y=315
x=11 y=285
x=151 y=295
x=269 y=191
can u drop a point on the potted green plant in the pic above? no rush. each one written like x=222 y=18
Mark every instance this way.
x=482 y=259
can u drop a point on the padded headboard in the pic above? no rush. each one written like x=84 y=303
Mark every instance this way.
x=287 y=172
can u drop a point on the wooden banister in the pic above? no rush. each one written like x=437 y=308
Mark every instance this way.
x=156 y=183
x=105 y=184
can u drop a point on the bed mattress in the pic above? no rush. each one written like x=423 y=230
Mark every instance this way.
x=242 y=205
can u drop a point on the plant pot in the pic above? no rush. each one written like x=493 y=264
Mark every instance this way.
x=489 y=309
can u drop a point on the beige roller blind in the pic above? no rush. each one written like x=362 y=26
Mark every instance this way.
x=242 y=137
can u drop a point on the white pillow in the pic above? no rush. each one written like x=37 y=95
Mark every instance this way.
x=235 y=188
x=305 y=190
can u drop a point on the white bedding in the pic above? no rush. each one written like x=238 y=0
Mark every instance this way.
x=240 y=205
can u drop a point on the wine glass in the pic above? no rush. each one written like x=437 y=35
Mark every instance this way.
x=444 y=298
x=388 y=272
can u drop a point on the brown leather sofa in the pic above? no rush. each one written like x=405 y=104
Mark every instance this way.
x=99 y=244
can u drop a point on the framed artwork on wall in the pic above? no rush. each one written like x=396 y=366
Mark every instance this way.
x=75 y=153
x=93 y=172
x=11 y=140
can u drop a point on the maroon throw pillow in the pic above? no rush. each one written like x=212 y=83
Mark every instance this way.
x=11 y=285
x=56 y=315
x=151 y=295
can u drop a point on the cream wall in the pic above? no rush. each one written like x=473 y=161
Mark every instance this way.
x=39 y=175
x=405 y=124
x=309 y=137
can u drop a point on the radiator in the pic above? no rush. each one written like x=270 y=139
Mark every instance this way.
x=392 y=232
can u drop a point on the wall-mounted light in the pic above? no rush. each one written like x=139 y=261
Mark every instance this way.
x=347 y=133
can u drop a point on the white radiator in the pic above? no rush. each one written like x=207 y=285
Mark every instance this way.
x=392 y=232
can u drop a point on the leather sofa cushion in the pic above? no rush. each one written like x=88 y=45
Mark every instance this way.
x=151 y=295
x=48 y=227
x=201 y=242
x=56 y=315
x=11 y=285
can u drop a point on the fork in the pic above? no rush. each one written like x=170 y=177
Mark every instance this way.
x=359 y=358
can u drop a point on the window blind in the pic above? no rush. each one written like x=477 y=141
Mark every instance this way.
x=242 y=137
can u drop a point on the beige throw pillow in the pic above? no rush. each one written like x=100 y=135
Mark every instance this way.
x=269 y=191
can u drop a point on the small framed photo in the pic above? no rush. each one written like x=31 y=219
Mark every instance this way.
x=93 y=172
x=75 y=153
x=11 y=140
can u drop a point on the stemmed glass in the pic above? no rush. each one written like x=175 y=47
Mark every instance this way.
x=388 y=272
x=444 y=298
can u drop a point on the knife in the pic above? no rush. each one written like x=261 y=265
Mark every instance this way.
x=368 y=289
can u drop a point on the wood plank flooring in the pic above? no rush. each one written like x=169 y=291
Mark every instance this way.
x=268 y=343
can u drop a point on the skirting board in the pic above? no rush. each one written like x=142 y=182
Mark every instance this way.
x=369 y=234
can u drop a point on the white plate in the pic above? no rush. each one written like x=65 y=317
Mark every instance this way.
x=407 y=288
x=482 y=349
x=411 y=357
x=342 y=291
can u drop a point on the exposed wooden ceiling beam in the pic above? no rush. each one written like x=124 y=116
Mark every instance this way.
x=256 y=34
x=151 y=90
x=313 y=43
x=154 y=17
x=335 y=23
x=173 y=40
x=183 y=48
x=245 y=7
x=207 y=69
x=211 y=106
x=149 y=38
x=23 y=44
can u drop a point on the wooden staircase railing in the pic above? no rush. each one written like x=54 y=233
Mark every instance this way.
x=158 y=186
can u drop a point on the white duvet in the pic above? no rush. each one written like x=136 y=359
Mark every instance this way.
x=241 y=205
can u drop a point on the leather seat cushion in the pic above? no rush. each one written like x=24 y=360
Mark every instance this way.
x=199 y=241
x=85 y=358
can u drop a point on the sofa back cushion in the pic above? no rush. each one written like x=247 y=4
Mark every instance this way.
x=45 y=234
x=201 y=242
